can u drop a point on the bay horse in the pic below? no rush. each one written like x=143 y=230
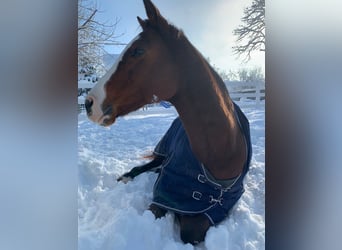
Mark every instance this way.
x=206 y=152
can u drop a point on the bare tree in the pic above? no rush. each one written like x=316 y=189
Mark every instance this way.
x=251 y=34
x=246 y=75
x=93 y=36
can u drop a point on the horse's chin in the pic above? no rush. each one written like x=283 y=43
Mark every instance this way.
x=107 y=120
x=110 y=118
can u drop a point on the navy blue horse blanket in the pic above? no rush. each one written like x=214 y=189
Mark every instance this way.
x=185 y=186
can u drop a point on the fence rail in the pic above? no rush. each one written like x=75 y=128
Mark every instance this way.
x=244 y=93
x=247 y=93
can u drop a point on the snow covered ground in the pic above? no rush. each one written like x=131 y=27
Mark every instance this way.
x=113 y=215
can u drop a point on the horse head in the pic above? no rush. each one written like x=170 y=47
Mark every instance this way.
x=144 y=72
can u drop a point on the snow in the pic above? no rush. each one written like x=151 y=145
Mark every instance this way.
x=113 y=215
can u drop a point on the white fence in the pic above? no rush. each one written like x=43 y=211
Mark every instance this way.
x=244 y=93
x=247 y=93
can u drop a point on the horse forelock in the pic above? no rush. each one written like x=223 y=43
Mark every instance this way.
x=165 y=29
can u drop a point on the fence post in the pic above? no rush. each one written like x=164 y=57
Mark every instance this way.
x=258 y=94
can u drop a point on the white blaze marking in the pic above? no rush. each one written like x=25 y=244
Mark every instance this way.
x=97 y=93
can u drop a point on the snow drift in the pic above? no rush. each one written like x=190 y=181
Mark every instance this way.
x=113 y=215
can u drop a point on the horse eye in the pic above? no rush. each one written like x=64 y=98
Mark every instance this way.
x=137 y=52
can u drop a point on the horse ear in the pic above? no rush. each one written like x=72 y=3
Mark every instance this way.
x=151 y=10
x=142 y=23
x=153 y=14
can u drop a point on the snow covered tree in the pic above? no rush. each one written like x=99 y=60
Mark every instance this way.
x=251 y=34
x=93 y=36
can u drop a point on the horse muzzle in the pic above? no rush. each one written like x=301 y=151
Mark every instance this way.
x=101 y=115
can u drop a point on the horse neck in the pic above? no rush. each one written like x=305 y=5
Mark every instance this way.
x=207 y=113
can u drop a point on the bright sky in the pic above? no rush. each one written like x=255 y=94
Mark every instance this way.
x=208 y=24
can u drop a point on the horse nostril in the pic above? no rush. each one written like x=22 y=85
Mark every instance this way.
x=88 y=103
